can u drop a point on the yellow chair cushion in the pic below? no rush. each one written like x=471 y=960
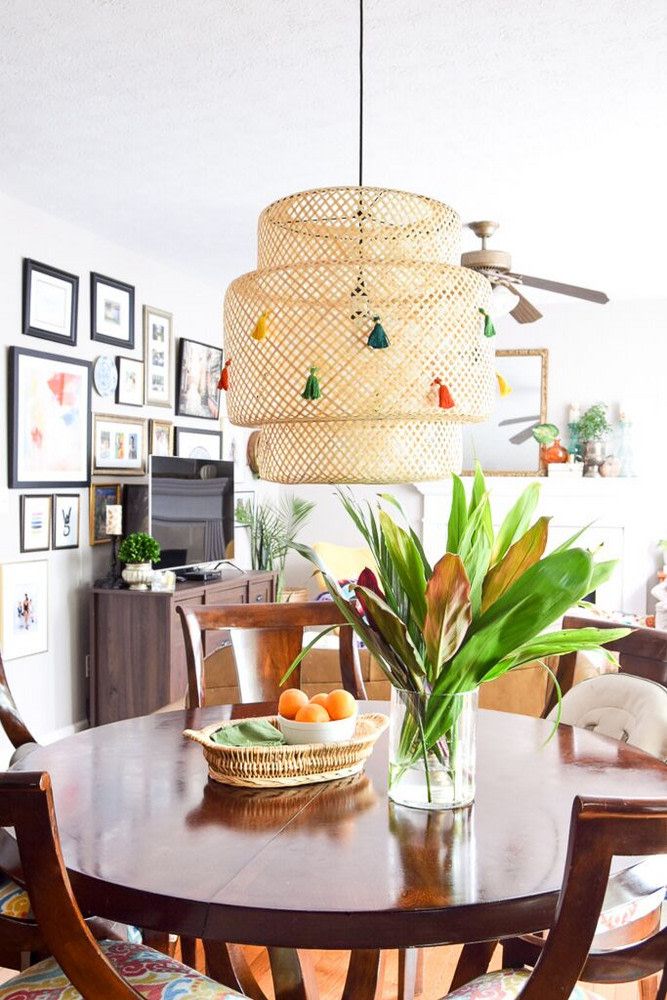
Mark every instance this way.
x=342 y=561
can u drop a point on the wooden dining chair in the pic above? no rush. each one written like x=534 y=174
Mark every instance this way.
x=115 y=970
x=266 y=638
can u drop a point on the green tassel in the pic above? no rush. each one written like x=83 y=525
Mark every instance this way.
x=489 y=328
x=378 y=339
x=312 y=390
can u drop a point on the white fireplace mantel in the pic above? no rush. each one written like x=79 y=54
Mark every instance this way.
x=621 y=511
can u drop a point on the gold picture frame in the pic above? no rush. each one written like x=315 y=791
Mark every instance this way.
x=489 y=441
x=158 y=431
x=101 y=496
x=119 y=445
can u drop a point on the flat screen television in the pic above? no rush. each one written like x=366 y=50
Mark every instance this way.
x=191 y=510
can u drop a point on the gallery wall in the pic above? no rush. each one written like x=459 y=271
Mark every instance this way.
x=50 y=687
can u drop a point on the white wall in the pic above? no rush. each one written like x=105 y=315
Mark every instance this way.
x=50 y=687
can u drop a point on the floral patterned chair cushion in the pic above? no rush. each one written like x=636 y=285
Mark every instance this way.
x=153 y=975
x=505 y=985
x=14 y=900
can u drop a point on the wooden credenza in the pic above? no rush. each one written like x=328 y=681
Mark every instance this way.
x=137 y=655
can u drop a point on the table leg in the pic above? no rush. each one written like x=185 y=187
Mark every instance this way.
x=365 y=975
x=473 y=961
x=293 y=974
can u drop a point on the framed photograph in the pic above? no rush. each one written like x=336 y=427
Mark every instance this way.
x=505 y=445
x=50 y=302
x=66 y=520
x=101 y=497
x=119 y=445
x=161 y=438
x=111 y=311
x=35 y=522
x=158 y=356
x=130 y=385
x=197 y=393
x=24 y=600
x=198 y=444
x=49 y=420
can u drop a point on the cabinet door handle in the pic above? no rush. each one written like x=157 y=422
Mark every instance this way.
x=259 y=597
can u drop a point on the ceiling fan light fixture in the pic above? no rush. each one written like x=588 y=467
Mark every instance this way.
x=503 y=301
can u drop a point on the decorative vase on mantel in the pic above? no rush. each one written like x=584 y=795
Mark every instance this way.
x=594 y=456
x=440 y=630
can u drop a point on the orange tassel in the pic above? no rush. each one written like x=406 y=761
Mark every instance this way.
x=445 y=398
x=223 y=382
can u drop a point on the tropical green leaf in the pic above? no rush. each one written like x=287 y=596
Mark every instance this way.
x=602 y=571
x=475 y=551
x=568 y=640
x=389 y=498
x=393 y=631
x=407 y=564
x=458 y=515
x=448 y=614
x=516 y=521
x=304 y=652
x=518 y=558
x=569 y=542
x=478 y=495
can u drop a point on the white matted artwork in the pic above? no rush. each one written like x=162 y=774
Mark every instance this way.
x=119 y=445
x=130 y=385
x=198 y=444
x=35 y=522
x=24 y=608
x=504 y=445
x=158 y=356
x=66 y=520
x=50 y=298
x=111 y=311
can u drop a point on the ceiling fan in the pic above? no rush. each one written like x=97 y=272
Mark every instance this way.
x=496 y=265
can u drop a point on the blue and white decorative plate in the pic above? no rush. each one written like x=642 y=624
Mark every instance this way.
x=105 y=375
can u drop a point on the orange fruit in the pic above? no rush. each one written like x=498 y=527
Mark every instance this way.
x=340 y=704
x=320 y=699
x=312 y=713
x=291 y=701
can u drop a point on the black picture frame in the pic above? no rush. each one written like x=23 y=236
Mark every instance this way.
x=181 y=411
x=179 y=431
x=54 y=515
x=120 y=399
x=103 y=338
x=29 y=267
x=24 y=499
x=13 y=418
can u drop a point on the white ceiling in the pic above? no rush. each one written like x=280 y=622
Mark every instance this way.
x=166 y=125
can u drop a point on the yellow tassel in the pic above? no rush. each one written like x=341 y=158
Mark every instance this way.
x=261 y=330
x=504 y=387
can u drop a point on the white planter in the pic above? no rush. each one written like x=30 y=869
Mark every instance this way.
x=138 y=575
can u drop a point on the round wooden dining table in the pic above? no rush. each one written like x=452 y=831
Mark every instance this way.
x=148 y=839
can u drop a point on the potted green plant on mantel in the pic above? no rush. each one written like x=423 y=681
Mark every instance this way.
x=139 y=551
x=273 y=530
x=591 y=429
x=440 y=631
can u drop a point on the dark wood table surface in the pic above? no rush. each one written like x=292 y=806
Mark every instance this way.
x=149 y=840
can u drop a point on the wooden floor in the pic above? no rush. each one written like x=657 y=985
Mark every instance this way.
x=331 y=966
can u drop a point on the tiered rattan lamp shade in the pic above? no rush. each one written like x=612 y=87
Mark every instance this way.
x=331 y=261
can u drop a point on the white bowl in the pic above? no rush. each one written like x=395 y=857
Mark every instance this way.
x=300 y=733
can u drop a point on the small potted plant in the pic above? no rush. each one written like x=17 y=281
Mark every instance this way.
x=591 y=430
x=139 y=551
x=273 y=530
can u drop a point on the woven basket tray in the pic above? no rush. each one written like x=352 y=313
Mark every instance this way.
x=282 y=766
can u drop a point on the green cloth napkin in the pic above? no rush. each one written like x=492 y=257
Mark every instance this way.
x=248 y=734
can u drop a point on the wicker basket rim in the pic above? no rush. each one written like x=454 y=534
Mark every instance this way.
x=430 y=199
x=378 y=722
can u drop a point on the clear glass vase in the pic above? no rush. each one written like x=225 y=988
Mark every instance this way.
x=442 y=777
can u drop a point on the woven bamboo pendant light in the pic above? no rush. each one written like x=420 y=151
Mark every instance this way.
x=357 y=347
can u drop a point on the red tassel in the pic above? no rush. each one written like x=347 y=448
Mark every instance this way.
x=445 y=398
x=223 y=382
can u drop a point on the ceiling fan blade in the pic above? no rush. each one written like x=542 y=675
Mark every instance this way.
x=523 y=436
x=557 y=286
x=524 y=311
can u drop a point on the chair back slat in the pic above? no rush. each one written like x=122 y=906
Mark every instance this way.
x=26 y=803
x=266 y=639
x=599 y=829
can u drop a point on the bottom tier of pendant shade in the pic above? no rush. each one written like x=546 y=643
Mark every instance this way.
x=359 y=451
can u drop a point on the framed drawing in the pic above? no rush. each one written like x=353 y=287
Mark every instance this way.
x=35 y=522
x=111 y=311
x=505 y=445
x=161 y=438
x=101 y=497
x=24 y=600
x=50 y=302
x=198 y=444
x=197 y=393
x=119 y=445
x=49 y=420
x=158 y=356
x=130 y=385
x=66 y=520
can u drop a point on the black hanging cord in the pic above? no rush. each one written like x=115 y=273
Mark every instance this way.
x=361 y=92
